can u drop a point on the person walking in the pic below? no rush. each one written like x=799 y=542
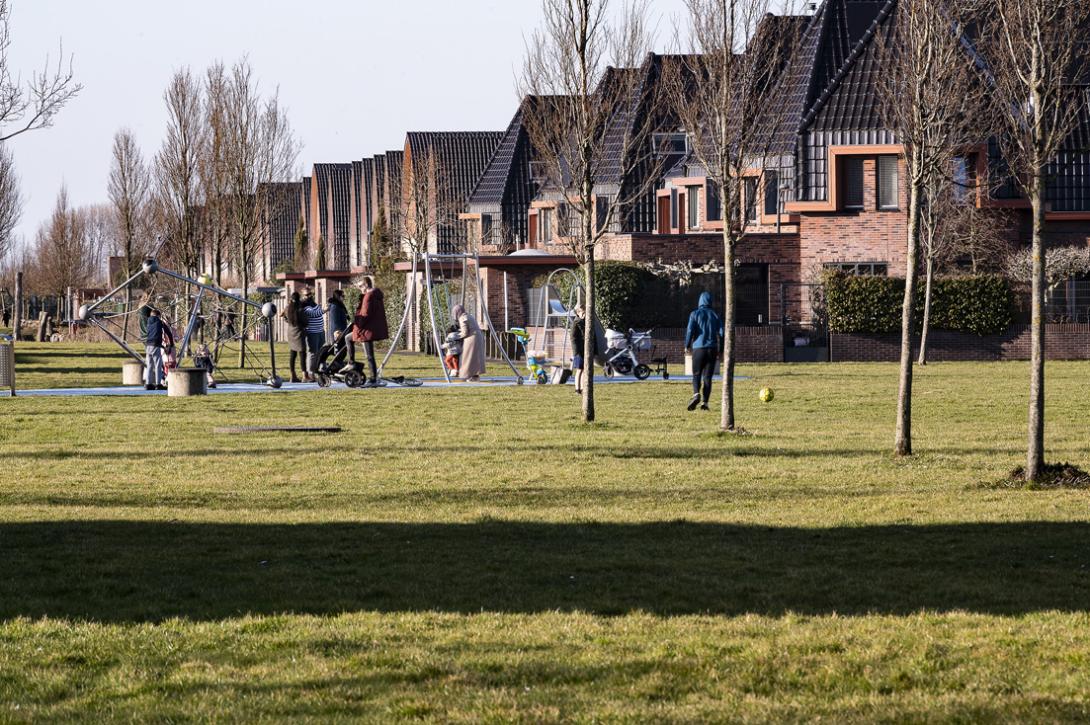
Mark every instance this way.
x=157 y=334
x=7 y=316
x=297 y=342
x=315 y=327
x=472 y=361
x=703 y=341
x=369 y=324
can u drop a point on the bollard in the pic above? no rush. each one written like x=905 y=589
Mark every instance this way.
x=187 y=383
x=132 y=373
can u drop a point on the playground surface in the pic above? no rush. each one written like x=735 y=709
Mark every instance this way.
x=487 y=557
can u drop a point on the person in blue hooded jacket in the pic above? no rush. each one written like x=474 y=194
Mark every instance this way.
x=703 y=340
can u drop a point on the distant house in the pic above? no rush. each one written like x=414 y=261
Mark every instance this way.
x=446 y=167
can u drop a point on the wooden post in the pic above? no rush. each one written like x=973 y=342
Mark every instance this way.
x=18 y=311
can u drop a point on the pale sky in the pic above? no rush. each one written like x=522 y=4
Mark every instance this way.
x=355 y=75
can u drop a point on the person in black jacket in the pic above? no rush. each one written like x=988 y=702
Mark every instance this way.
x=583 y=357
x=338 y=322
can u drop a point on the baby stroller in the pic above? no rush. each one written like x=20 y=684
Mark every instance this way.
x=536 y=361
x=332 y=360
x=621 y=349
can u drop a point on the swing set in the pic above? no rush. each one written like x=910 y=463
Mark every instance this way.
x=436 y=283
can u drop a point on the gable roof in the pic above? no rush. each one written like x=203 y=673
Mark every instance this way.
x=462 y=156
x=501 y=172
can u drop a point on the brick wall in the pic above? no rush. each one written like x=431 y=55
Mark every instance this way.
x=1062 y=342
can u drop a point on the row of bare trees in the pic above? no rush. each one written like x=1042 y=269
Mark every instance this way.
x=955 y=74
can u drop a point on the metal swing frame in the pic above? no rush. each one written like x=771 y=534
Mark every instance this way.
x=427 y=260
x=575 y=296
x=150 y=267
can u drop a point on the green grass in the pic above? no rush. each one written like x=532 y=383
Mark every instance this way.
x=479 y=555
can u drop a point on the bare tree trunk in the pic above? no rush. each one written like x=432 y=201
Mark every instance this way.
x=17 y=315
x=589 y=338
x=726 y=422
x=1035 y=459
x=928 y=284
x=245 y=315
x=904 y=394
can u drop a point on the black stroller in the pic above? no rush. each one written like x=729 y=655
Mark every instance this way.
x=333 y=365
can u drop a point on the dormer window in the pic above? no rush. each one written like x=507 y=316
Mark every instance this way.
x=670 y=144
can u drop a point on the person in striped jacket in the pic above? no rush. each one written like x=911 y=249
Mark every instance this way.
x=313 y=320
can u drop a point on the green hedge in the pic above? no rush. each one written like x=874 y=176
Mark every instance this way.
x=630 y=296
x=979 y=305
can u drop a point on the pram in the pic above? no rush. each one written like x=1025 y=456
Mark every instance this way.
x=620 y=356
x=536 y=362
x=332 y=359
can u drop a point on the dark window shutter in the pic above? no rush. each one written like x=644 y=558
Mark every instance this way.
x=853 y=183
x=772 y=193
x=751 y=199
x=714 y=201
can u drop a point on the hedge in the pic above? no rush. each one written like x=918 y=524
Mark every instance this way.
x=979 y=305
x=631 y=296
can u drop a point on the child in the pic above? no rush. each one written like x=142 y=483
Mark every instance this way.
x=453 y=348
x=202 y=360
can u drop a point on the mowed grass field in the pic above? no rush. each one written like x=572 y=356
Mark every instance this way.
x=479 y=555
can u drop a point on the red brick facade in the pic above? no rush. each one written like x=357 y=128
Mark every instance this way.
x=1062 y=342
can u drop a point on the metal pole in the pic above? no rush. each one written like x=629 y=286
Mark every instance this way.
x=404 y=319
x=101 y=301
x=210 y=288
x=193 y=317
x=506 y=316
x=431 y=313
x=488 y=318
x=124 y=346
x=272 y=344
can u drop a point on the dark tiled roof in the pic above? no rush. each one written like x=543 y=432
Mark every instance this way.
x=461 y=156
x=508 y=166
x=281 y=211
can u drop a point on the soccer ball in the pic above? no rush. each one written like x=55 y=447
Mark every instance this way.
x=767 y=395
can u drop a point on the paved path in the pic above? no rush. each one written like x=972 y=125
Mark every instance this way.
x=253 y=388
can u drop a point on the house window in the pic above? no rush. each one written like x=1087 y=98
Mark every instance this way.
x=772 y=193
x=545 y=220
x=670 y=144
x=601 y=212
x=563 y=221
x=889 y=191
x=962 y=178
x=714 y=201
x=486 y=228
x=751 y=199
x=860 y=269
x=853 y=183
x=692 y=196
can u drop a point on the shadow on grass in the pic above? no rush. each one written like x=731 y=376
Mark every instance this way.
x=147 y=571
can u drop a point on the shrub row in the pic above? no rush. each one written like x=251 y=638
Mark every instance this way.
x=631 y=296
x=979 y=305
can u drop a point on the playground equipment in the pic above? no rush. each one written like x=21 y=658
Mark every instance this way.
x=436 y=284
x=556 y=318
x=228 y=323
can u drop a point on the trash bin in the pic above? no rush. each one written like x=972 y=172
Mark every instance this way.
x=7 y=367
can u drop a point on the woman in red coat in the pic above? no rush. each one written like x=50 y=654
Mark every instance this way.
x=369 y=325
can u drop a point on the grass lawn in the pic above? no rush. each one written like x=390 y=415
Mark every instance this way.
x=469 y=555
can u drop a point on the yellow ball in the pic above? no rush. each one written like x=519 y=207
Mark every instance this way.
x=205 y=279
x=767 y=395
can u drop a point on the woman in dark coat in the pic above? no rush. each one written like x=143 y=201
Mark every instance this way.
x=296 y=335
x=369 y=325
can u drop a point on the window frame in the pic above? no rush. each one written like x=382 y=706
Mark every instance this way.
x=772 y=182
x=750 y=190
x=713 y=199
x=692 y=203
x=879 y=185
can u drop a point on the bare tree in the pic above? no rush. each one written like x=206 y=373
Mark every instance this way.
x=259 y=147
x=62 y=258
x=177 y=171
x=591 y=119
x=100 y=227
x=11 y=199
x=928 y=98
x=729 y=100
x=129 y=188
x=1035 y=50
x=215 y=212
x=31 y=105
